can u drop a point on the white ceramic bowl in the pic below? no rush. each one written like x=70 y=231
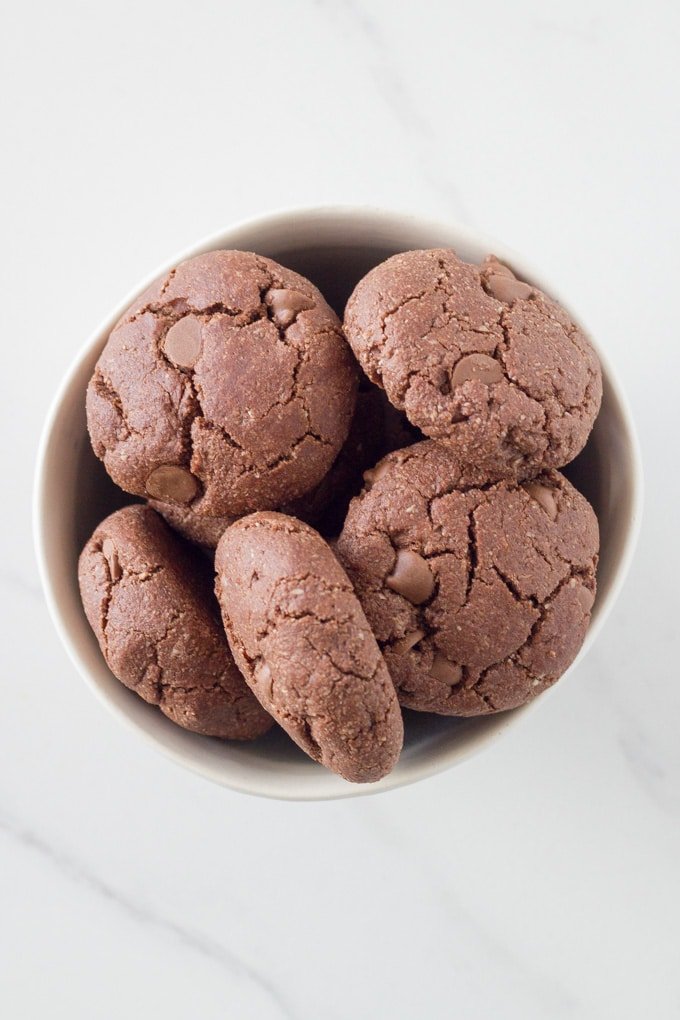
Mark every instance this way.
x=334 y=247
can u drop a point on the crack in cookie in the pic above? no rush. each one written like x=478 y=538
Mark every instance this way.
x=303 y=643
x=413 y=322
x=514 y=571
x=233 y=372
x=148 y=599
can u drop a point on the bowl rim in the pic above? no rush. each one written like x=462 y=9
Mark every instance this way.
x=352 y=215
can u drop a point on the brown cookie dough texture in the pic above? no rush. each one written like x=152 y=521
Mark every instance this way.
x=148 y=599
x=480 y=597
x=227 y=386
x=477 y=359
x=196 y=528
x=376 y=429
x=300 y=637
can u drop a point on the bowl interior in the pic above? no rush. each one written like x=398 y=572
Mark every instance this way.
x=334 y=248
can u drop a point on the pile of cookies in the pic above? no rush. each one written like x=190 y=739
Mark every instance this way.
x=376 y=504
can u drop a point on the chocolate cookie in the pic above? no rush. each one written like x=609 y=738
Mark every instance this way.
x=302 y=641
x=227 y=386
x=477 y=359
x=196 y=528
x=479 y=597
x=148 y=599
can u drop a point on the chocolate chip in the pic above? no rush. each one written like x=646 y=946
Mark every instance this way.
x=172 y=483
x=408 y=641
x=549 y=384
x=263 y=677
x=261 y=432
x=446 y=671
x=111 y=556
x=285 y=305
x=480 y=367
x=584 y=596
x=517 y=612
x=544 y=496
x=373 y=474
x=411 y=577
x=183 y=342
x=507 y=288
x=492 y=265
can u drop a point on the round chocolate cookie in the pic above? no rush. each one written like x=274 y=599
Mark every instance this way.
x=477 y=359
x=227 y=386
x=302 y=641
x=376 y=429
x=148 y=599
x=480 y=597
x=196 y=528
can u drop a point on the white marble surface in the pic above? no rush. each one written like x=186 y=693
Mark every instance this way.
x=540 y=880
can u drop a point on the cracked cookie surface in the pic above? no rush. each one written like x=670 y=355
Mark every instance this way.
x=479 y=596
x=302 y=641
x=148 y=599
x=227 y=386
x=376 y=429
x=477 y=359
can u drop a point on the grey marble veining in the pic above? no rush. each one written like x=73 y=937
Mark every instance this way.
x=73 y=871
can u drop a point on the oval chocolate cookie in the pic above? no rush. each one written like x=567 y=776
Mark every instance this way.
x=303 y=643
x=226 y=387
x=148 y=599
x=479 y=597
x=477 y=359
